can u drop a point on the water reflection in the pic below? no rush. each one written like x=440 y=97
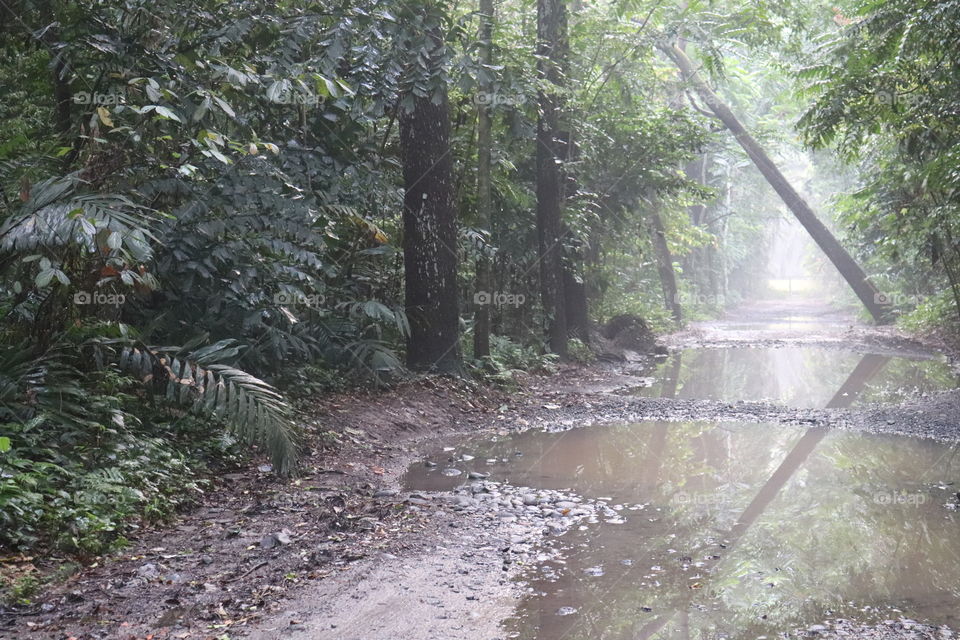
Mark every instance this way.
x=792 y=376
x=733 y=530
x=738 y=530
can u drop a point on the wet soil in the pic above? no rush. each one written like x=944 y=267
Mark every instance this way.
x=345 y=552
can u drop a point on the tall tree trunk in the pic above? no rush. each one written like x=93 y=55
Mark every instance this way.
x=481 y=318
x=429 y=232
x=575 y=298
x=58 y=69
x=668 y=279
x=848 y=268
x=551 y=31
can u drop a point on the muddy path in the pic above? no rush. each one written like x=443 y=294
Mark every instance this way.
x=428 y=519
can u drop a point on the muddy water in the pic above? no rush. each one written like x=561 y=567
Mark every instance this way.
x=805 y=377
x=730 y=530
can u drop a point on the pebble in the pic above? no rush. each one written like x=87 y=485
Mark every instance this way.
x=148 y=571
x=278 y=539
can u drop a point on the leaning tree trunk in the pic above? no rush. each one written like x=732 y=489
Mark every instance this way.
x=430 y=233
x=551 y=27
x=848 y=268
x=481 y=318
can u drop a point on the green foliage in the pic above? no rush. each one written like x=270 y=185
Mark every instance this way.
x=884 y=89
x=508 y=359
x=580 y=352
x=251 y=408
x=212 y=222
x=82 y=469
x=21 y=589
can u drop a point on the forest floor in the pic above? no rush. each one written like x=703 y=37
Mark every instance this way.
x=343 y=552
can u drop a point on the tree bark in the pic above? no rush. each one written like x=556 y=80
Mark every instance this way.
x=577 y=310
x=429 y=232
x=481 y=318
x=551 y=30
x=668 y=279
x=845 y=264
x=58 y=69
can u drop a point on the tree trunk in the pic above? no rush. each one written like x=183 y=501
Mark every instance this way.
x=551 y=29
x=481 y=318
x=575 y=297
x=848 y=268
x=58 y=69
x=671 y=298
x=430 y=233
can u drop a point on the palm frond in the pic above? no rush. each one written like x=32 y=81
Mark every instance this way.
x=252 y=409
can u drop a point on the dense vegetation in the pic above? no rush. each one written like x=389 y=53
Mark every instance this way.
x=210 y=208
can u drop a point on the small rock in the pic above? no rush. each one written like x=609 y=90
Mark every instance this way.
x=148 y=571
x=273 y=540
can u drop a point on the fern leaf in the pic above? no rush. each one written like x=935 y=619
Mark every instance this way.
x=252 y=409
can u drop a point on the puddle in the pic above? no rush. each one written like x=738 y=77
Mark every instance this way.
x=803 y=377
x=729 y=530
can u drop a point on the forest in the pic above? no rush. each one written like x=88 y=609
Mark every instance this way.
x=213 y=213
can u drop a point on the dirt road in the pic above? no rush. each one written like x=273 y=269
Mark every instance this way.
x=345 y=553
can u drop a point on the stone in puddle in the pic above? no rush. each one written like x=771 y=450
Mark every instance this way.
x=477 y=475
x=451 y=472
x=566 y=611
